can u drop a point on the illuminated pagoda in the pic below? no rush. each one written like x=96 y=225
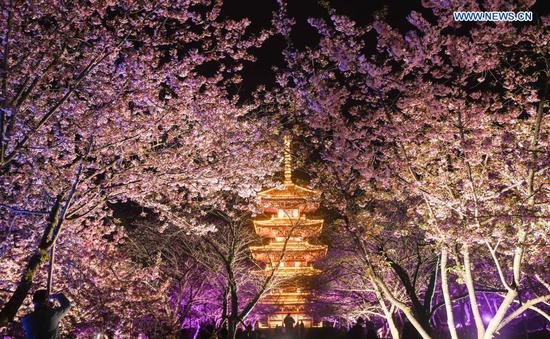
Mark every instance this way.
x=286 y=232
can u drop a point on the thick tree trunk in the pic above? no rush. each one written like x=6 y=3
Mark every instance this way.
x=18 y=297
x=400 y=305
x=224 y=304
x=501 y=312
x=418 y=310
x=389 y=316
x=472 y=293
x=9 y=310
x=232 y=328
x=446 y=295
x=393 y=329
x=233 y=319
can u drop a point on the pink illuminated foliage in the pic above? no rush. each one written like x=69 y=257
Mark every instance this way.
x=124 y=95
x=450 y=119
x=430 y=146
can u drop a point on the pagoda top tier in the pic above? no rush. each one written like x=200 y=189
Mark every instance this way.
x=289 y=195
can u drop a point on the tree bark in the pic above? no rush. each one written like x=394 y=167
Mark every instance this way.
x=51 y=269
x=18 y=297
x=9 y=310
x=233 y=319
x=480 y=327
x=501 y=312
x=494 y=324
x=446 y=294
x=224 y=304
x=400 y=305
x=525 y=307
x=391 y=324
x=418 y=309
x=232 y=328
x=430 y=292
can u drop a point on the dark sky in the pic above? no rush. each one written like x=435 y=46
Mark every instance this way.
x=260 y=13
x=362 y=11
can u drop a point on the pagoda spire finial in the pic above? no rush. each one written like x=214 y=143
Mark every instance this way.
x=288 y=161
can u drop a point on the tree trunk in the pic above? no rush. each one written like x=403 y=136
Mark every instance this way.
x=233 y=319
x=397 y=303
x=513 y=291
x=51 y=269
x=224 y=304
x=418 y=310
x=9 y=310
x=393 y=329
x=18 y=297
x=232 y=327
x=501 y=312
x=446 y=295
x=389 y=316
x=480 y=327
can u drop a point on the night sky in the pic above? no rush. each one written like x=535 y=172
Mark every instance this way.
x=270 y=55
x=428 y=155
x=363 y=12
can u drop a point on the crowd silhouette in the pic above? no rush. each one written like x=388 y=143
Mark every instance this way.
x=289 y=329
x=362 y=330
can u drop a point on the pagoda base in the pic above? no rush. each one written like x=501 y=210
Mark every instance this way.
x=277 y=320
x=296 y=311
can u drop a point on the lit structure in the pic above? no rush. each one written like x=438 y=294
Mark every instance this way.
x=286 y=247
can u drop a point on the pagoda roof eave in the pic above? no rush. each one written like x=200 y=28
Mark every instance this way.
x=289 y=248
x=287 y=222
x=292 y=191
x=290 y=271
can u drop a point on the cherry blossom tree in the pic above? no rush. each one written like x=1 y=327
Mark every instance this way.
x=226 y=253
x=452 y=116
x=137 y=81
x=430 y=144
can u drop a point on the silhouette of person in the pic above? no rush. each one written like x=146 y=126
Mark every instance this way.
x=357 y=331
x=301 y=329
x=43 y=322
x=289 y=322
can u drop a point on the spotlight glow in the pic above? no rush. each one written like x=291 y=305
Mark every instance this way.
x=486 y=318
